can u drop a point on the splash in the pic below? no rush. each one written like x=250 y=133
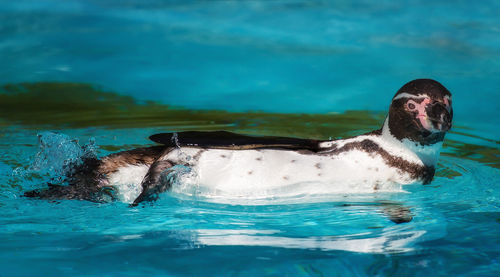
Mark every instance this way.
x=182 y=179
x=57 y=157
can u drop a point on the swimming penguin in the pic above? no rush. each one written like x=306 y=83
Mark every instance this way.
x=404 y=151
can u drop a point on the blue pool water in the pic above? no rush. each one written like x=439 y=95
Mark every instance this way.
x=282 y=58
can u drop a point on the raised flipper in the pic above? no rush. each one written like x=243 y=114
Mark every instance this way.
x=229 y=140
x=151 y=184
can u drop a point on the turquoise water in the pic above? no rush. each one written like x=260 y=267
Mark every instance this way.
x=283 y=58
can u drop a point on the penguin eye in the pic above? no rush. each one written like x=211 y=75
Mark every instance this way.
x=410 y=105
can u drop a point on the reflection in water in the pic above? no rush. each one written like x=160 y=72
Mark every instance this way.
x=389 y=242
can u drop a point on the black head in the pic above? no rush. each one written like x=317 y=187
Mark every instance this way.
x=421 y=112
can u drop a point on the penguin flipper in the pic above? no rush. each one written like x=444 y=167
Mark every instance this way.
x=233 y=141
x=152 y=186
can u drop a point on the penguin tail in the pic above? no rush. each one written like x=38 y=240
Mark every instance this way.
x=54 y=192
x=82 y=185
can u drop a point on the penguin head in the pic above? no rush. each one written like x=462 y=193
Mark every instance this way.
x=421 y=112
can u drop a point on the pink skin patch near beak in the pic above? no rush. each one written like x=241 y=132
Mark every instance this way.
x=422 y=115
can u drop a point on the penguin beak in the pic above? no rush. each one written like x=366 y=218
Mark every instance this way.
x=439 y=115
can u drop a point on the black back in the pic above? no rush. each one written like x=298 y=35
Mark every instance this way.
x=229 y=140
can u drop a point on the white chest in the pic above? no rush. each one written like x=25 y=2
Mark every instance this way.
x=261 y=172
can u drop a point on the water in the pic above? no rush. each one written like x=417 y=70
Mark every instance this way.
x=95 y=77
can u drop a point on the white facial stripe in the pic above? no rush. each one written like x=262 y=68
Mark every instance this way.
x=420 y=96
x=407 y=95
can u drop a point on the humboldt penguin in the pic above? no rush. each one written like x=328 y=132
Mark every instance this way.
x=403 y=151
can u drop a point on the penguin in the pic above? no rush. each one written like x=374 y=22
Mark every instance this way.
x=403 y=151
